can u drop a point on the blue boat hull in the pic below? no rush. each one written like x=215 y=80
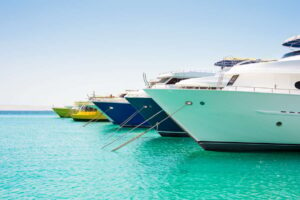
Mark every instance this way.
x=168 y=128
x=118 y=113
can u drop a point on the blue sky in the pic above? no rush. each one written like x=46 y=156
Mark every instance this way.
x=55 y=52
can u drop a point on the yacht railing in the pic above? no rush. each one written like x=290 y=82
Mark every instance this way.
x=163 y=86
x=262 y=90
x=137 y=95
x=200 y=87
x=247 y=89
x=110 y=99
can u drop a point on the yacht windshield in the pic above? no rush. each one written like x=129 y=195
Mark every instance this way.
x=88 y=109
x=294 y=53
x=163 y=80
x=174 y=80
x=122 y=95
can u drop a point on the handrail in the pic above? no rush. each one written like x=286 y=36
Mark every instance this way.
x=108 y=99
x=250 y=89
x=263 y=89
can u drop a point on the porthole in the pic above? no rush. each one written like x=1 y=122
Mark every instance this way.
x=202 y=103
x=278 y=123
x=297 y=85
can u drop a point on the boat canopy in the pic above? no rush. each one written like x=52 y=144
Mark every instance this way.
x=229 y=62
x=292 y=42
x=82 y=103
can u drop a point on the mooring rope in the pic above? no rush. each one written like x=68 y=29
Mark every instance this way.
x=145 y=121
x=131 y=117
x=123 y=135
x=143 y=133
x=123 y=124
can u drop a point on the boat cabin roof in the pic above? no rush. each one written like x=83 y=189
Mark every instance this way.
x=187 y=74
x=290 y=54
x=283 y=66
x=82 y=103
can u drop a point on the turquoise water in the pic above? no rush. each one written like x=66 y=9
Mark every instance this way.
x=44 y=157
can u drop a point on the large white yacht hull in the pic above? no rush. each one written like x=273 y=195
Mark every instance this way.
x=235 y=121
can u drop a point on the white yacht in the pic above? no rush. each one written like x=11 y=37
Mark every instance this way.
x=258 y=109
x=151 y=112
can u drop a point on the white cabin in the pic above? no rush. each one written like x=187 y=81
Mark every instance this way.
x=282 y=76
x=168 y=80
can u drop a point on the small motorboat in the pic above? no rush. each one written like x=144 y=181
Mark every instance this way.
x=88 y=112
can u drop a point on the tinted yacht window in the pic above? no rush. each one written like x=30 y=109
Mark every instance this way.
x=232 y=80
x=174 y=80
x=122 y=95
x=163 y=80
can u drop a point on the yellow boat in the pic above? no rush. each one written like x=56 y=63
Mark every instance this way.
x=64 y=112
x=88 y=113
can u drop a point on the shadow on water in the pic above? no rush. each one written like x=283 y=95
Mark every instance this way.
x=193 y=150
x=180 y=162
x=190 y=151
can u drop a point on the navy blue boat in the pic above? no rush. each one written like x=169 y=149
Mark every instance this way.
x=168 y=128
x=120 y=112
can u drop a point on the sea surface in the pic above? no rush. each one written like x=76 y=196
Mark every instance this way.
x=45 y=157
